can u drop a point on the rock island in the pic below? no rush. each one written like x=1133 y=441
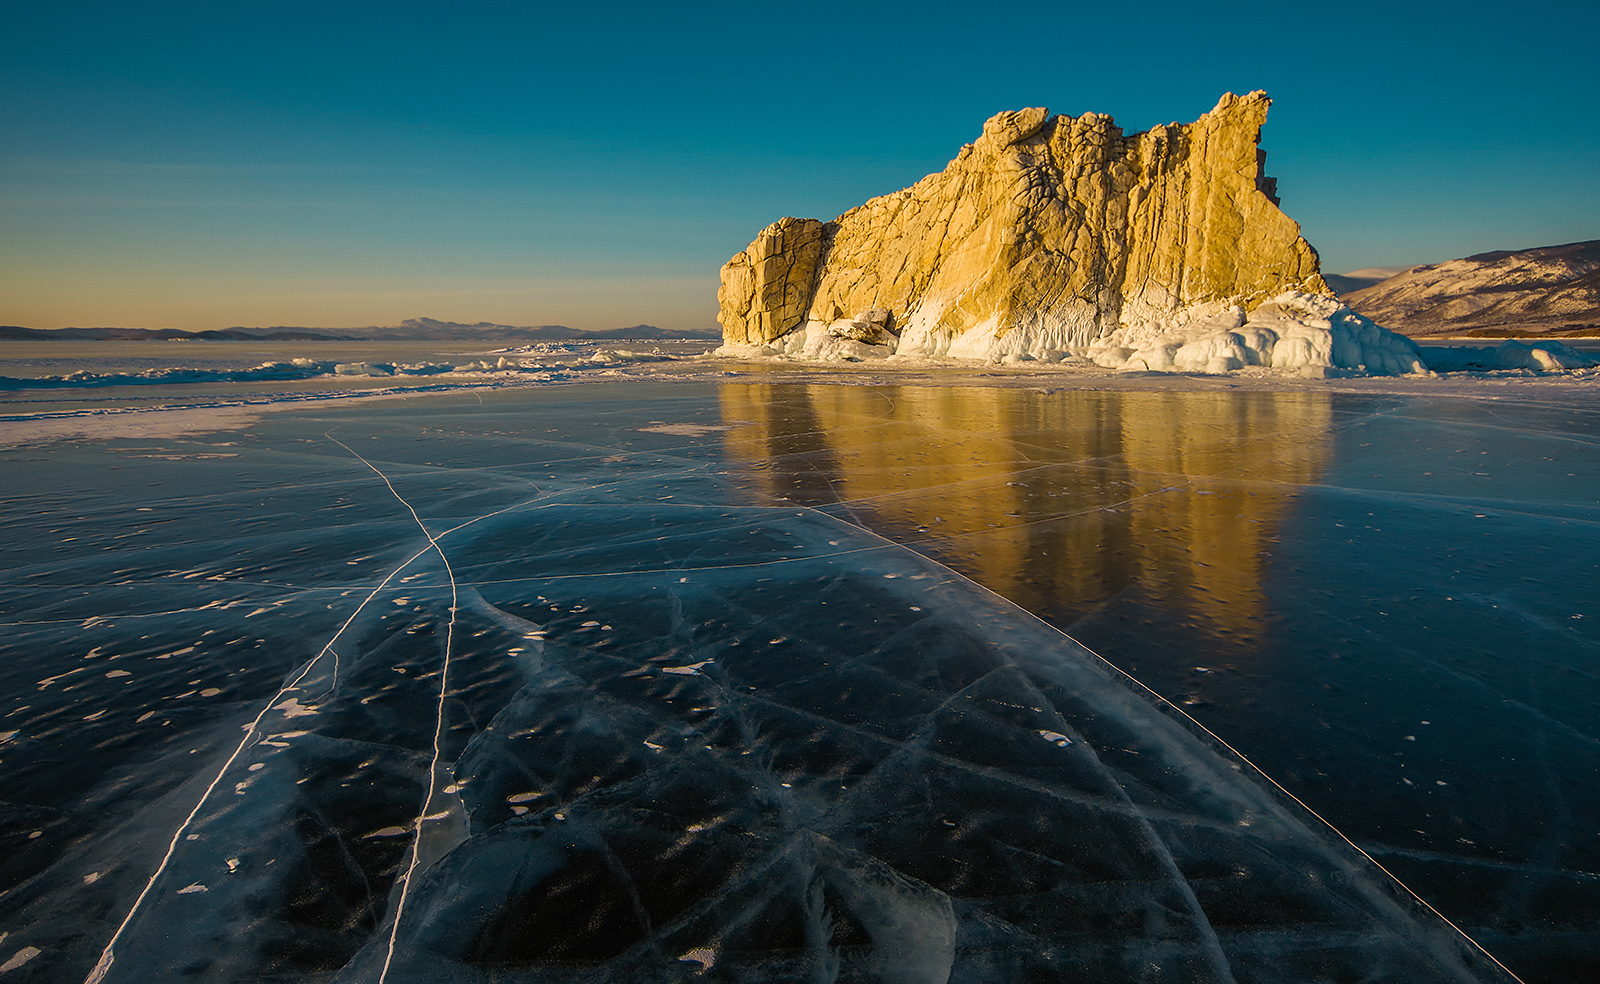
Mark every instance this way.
x=1062 y=239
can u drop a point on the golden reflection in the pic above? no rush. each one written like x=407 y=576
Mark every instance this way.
x=1057 y=501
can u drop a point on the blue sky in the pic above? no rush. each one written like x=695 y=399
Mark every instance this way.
x=204 y=165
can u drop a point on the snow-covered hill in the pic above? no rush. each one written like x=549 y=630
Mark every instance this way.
x=1543 y=290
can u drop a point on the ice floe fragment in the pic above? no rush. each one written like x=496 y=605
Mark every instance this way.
x=692 y=669
x=19 y=958
x=292 y=708
x=702 y=955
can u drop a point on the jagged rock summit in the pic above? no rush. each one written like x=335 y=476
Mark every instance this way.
x=1055 y=237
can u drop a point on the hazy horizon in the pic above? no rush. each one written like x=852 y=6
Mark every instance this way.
x=419 y=322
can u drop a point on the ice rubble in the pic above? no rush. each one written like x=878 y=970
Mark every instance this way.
x=267 y=371
x=628 y=355
x=302 y=369
x=1541 y=356
x=1296 y=332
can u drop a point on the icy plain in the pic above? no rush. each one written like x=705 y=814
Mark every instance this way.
x=767 y=681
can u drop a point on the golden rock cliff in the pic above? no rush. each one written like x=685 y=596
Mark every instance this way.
x=1046 y=233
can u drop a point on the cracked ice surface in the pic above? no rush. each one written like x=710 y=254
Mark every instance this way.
x=557 y=686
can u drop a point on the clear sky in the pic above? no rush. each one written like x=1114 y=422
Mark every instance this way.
x=202 y=165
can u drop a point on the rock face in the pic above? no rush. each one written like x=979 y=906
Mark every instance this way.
x=767 y=289
x=1543 y=289
x=1045 y=234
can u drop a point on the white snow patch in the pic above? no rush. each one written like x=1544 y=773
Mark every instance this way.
x=626 y=355
x=691 y=670
x=363 y=369
x=684 y=430
x=702 y=955
x=19 y=958
x=292 y=708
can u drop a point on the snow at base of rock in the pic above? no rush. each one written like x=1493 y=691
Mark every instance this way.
x=815 y=342
x=1295 y=331
x=1292 y=331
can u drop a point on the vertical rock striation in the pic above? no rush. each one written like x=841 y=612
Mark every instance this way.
x=767 y=289
x=1046 y=233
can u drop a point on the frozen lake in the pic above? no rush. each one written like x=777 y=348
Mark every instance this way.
x=777 y=681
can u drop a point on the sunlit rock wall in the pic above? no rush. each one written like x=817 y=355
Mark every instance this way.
x=1045 y=233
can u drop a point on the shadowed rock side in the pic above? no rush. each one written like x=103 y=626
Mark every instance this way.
x=1047 y=233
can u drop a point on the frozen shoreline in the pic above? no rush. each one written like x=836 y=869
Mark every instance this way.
x=223 y=413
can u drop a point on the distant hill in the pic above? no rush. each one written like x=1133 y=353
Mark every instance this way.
x=1552 y=290
x=412 y=329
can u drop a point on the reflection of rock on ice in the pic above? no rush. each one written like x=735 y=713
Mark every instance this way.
x=1172 y=500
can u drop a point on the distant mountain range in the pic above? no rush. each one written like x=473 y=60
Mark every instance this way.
x=1548 y=290
x=412 y=329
